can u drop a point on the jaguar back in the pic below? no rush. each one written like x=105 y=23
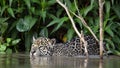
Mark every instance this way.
x=75 y=47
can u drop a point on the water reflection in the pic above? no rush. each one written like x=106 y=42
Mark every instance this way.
x=100 y=63
x=23 y=61
x=65 y=62
x=14 y=61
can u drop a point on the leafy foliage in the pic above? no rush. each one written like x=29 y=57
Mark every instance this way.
x=25 y=24
x=24 y=18
x=5 y=46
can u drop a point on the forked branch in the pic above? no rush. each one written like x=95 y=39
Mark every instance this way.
x=73 y=24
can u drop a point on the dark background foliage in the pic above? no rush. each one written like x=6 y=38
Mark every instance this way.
x=20 y=20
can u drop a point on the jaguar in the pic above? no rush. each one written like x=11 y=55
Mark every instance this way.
x=48 y=47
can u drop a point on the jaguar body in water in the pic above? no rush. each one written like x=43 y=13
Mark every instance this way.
x=43 y=46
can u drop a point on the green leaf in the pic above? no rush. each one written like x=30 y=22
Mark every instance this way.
x=43 y=15
x=30 y=21
x=92 y=22
x=28 y=37
x=10 y=2
x=2 y=48
x=14 y=42
x=44 y=32
x=52 y=16
x=116 y=39
x=72 y=7
x=96 y=29
x=43 y=4
x=109 y=30
x=12 y=27
x=22 y=26
x=8 y=40
x=0 y=9
x=3 y=10
x=3 y=27
x=10 y=11
x=68 y=3
x=20 y=10
x=108 y=47
x=3 y=20
x=28 y=3
x=14 y=33
x=9 y=51
x=25 y=24
x=89 y=8
x=116 y=52
x=105 y=23
x=35 y=1
x=32 y=10
x=58 y=13
x=6 y=44
x=2 y=52
x=70 y=33
x=116 y=9
x=111 y=44
x=53 y=22
x=79 y=22
x=51 y=2
x=57 y=27
x=61 y=21
x=107 y=6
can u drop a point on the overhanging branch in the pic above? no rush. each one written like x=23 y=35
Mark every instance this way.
x=73 y=24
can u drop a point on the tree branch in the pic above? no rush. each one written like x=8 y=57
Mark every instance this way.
x=82 y=19
x=85 y=24
x=76 y=30
x=101 y=3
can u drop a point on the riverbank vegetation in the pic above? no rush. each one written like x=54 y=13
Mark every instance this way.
x=21 y=19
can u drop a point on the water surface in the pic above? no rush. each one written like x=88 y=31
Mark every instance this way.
x=24 y=61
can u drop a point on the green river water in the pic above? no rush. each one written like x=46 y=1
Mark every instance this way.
x=22 y=60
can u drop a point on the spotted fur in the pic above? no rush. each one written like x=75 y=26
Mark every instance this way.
x=74 y=47
x=42 y=46
x=45 y=46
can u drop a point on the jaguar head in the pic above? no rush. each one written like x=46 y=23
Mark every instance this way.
x=42 y=46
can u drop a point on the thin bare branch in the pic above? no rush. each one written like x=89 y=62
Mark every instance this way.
x=73 y=24
x=83 y=21
x=85 y=24
x=101 y=3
